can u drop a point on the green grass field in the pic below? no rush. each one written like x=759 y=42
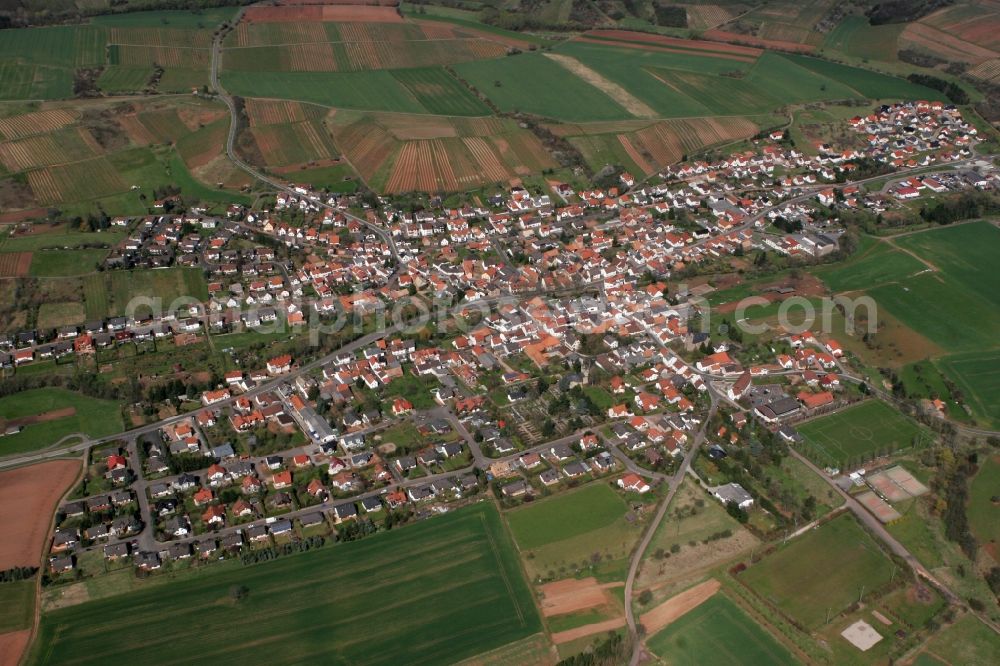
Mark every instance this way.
x=867 y=83
x=787 y=80
x=426 y=90
x=847 y=557
x=968 y=641
x=166 y=284
x=95 y=297
x=673 y=84
x=94 y=417
x=956 y=306
x=439 y=92
x=984 y=516
x=204 y=19
x=65 y=263
x=117 y=79
x=17 y=605
x=977 y=375
x=855 y=36
x=924 y=379
x=431 y=593
x=60 y=240
x=53 y=315
x=339 y=178
x=878 y=264
x=637 y=72
x=858 y=432
x=718 y=632
x=566 y=515
x=535 y=84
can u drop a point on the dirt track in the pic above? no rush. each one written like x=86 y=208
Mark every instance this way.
x=675 y=607
x=630 y=102
x=40 y=418
x=28 y=497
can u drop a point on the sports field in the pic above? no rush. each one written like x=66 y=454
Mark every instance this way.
x=856 y=434
x=849 y=560
x=431 y=593
x=566 y=515
x=718 y=632
x=60 y=413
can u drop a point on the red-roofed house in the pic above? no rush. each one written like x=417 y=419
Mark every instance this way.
x=282 y=480
x=280 y=364
x=634 y=483
x=814 y=400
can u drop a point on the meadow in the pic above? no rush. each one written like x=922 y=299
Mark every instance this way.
x=718 y=632
x=457 y=591
x=851 y=563
x=694 y=518
x=65 y=263
x=983 y=514
x=17 y=605
x=566 y=515
x=682 y=84
x=967 y=641
x=867 y=83
x=534 y=84
x=954 y=306
x=62 y=239
x=55 y=314
x=349 y=90
x=977 y=375
x=857 y=433
x=167 y=284
x=855 y=36
x=124 y=79
x=874 y=264
x=92 y=416
x=637 y=71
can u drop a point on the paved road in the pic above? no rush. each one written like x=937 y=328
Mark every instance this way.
x=633 y=570
x=894 y=545
x=146 y=541
x=271 y=385
x=278 y=185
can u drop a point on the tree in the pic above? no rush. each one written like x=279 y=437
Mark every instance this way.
x=238 y=592
x=734 y=510
x=645 y=596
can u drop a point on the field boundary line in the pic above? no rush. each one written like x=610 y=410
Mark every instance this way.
x=503 y=571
